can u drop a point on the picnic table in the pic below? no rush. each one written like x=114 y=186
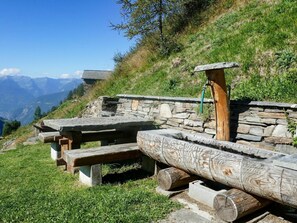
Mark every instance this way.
x=120 y=128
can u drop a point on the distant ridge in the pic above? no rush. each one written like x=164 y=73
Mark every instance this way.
x=20 y=95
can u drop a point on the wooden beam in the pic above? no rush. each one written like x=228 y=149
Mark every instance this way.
x=221 y=103
x=216 y=76
x=171 y=178
x=234 y=204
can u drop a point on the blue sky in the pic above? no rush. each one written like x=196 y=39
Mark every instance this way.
x=58 y=38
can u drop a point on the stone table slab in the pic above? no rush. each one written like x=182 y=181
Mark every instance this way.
x=96 y=124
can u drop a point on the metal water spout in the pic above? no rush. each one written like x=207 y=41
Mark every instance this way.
x=216 y=78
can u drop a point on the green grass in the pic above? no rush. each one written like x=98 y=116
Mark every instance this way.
x=259 y=35
x=33 y=189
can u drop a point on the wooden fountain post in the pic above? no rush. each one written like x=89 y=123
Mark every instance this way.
x=216 y=77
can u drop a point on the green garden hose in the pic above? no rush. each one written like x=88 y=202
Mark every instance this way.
x=202 y=97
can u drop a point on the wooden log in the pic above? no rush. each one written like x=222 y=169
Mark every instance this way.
x=245 y=171
x=171 y=178
x=234 y=204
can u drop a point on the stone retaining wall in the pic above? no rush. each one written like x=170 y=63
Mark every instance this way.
x=261 y=124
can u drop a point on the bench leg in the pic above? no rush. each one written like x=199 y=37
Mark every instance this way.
x=91 y=175
x=148 y=164
x=55 y=150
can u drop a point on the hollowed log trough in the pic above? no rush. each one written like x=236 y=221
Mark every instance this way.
x=256 y=171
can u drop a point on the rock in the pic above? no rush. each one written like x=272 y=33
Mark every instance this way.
x=278 y=140
x=134 y=105
x=242 y=128
x=249 y=137
x=268 y=130
x=193 y=123
x=211 y=124
x=210 y=131
x=269 y=121
x=172 y=123
x=194 y=117
x=258 y=131
x=272 y=115
x=281 y=131
x=179 y=108
x=282 y=122
x=254 y=119
x=165 y=111
x=181 y=115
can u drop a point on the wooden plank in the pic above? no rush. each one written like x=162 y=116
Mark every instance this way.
x=47 y=137
x=104 y=154
x=96 y=124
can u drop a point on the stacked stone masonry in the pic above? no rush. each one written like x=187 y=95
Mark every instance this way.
x=262 y=124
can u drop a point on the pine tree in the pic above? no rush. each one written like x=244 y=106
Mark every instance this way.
x=143 y=18
x=37 y=113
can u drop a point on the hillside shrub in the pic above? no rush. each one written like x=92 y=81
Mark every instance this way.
x=11 y=126
x=285 y=59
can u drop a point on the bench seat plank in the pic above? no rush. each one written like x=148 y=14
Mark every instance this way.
x=104 y=154
x=47 y=137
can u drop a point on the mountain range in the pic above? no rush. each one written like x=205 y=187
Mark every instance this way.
x=20 y=95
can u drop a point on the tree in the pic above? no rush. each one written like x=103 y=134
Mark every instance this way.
x=10 y=126
x=37 y=113
x=143 y=18
x=79 y=90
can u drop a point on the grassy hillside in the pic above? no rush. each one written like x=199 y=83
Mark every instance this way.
x=260 y=35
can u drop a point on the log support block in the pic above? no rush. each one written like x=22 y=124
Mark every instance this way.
x=55 y=150
x=202 y=193
x=91 y=175
x=171 y=178
x=234 y=204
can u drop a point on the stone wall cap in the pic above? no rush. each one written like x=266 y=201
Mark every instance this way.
x=198 y=100
x=216 y=66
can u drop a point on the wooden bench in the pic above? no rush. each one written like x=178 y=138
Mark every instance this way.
x=90 y=160
x=106 y=137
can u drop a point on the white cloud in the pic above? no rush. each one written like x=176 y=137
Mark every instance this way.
x=9 y=71
x=65 y=76
x=76 y=74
